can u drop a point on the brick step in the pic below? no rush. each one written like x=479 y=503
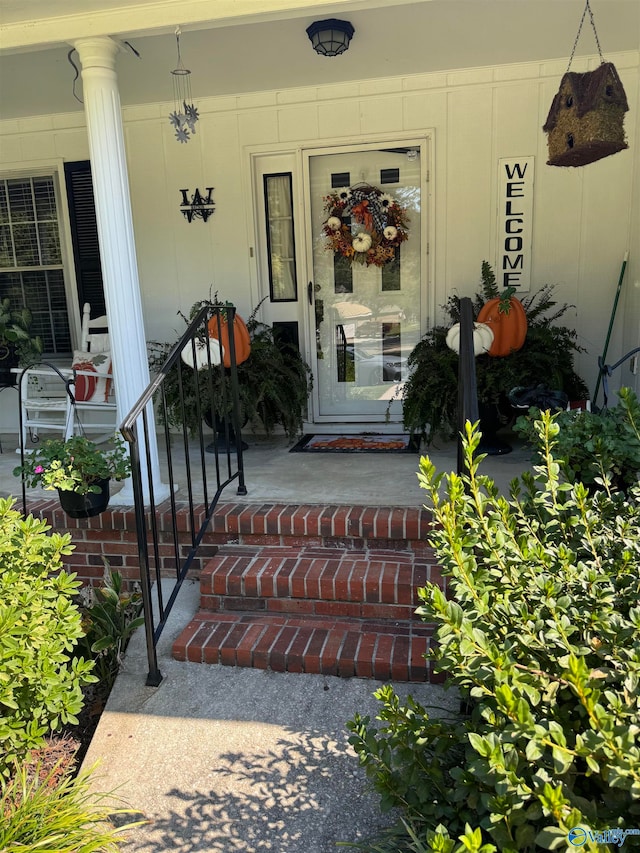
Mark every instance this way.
x=327 y=611
x=311 y=644
x=372 y=584
x=355 y=527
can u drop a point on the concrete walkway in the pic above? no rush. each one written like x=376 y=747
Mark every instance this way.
x=222 y=759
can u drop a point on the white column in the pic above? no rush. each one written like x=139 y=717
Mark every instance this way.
x=115 y=236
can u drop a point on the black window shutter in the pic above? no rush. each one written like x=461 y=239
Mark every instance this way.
x=84 y=234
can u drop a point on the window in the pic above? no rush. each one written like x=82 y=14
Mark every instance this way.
x=278 y=200
x=31 y=271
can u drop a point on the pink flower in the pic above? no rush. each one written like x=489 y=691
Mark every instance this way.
x=38 y=469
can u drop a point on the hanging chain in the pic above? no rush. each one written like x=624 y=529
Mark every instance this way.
x=587 y=7
x=179 y=33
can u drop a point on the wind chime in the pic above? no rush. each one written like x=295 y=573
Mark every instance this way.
x=185 y=115
x=586 y=119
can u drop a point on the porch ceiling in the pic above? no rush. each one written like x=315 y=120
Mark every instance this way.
x=236 y=46
x=39 y=23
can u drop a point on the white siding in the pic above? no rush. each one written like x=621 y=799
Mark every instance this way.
x=583 y=217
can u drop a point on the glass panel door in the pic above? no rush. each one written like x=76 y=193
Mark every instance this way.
x=366 y=277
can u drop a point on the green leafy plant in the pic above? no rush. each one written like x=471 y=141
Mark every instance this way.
x=405 y=838
x=274 y=382
x=429 y=396
x=600 y=449
x=53 y=815
x=540 y=634
x=75 y=464
x=110 y=615
x=15 y=331
x=40 y=679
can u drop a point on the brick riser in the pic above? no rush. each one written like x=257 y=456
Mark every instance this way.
x=312 y=644
x=307 y=525
x=373 y=584
x=327 y=611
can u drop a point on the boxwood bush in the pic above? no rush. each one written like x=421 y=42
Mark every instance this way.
x=591 y=445
x=40 y=680
x=540 y=635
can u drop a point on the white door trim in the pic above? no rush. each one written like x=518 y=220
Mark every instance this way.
x=298 y=156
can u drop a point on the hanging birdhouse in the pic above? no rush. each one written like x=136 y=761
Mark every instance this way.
x=585 y=122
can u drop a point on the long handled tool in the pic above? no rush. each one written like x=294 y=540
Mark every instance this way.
x=603 y=357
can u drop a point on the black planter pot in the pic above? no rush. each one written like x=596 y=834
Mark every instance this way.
x=8 y=360
x=85 y=506
x=220 y=442
x=491 y=420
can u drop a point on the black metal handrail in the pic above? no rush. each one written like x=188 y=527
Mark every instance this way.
x=137 y=432
x=467 y=385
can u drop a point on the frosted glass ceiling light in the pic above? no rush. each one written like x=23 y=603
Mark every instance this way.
x=330 y=37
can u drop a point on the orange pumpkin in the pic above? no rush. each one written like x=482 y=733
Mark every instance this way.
x=506 y=317
x=241 y=338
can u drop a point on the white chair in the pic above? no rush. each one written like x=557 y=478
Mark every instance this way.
x=45 y=401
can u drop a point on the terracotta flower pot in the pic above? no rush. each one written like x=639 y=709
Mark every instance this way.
x=85 y=506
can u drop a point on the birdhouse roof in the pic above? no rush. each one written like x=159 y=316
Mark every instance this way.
x=588 y=89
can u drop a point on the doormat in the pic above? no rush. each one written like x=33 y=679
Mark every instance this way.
x=364 y=442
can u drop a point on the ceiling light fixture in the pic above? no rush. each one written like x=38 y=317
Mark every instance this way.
x=330 y=37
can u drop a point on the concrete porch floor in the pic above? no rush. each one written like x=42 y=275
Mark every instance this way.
x=274 y=475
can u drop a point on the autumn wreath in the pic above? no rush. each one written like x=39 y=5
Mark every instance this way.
x=364 y=224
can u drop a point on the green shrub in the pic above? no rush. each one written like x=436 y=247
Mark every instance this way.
x=109 y=618
x=594 y=448
x=57 y=816
x=40 y=682
x=542 y=639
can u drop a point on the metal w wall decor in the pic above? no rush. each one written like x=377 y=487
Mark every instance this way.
x=586 y=119
x=200 y=206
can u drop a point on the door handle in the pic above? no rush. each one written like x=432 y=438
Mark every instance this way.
x=310 y=292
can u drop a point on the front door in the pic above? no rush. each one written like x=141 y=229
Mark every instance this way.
x=365 y=288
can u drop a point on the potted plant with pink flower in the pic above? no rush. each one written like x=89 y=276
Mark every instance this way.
x=79 y=470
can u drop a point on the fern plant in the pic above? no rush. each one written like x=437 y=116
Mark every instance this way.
x=429 y=397
x=274 y=383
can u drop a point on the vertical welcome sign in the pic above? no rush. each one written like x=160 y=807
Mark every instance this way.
x=515 y=222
